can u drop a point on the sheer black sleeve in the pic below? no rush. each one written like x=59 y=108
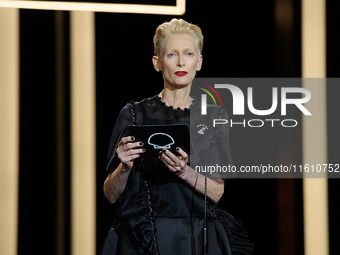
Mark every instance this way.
x=120 y=130
x=221 y=149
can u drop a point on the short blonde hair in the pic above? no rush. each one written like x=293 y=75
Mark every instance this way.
x=176 y=26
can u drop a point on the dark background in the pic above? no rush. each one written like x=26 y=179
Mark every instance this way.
x=241 y=39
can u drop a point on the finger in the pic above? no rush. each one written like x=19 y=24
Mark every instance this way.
x=166 y=160
x=131 y=152
x=127 y=139
x=171 y=160
x=172 y=157
x=131 y=155
x=183 y=154
x=128 y=155
x=134 y=145
x=128 y=146
x=173 y=169
x=130 y=158
x=165 y=154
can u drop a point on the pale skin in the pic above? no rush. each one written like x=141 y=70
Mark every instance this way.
x=178 y=54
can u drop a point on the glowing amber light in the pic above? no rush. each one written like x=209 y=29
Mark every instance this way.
x=179 y=9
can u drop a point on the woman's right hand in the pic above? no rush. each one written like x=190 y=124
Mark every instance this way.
x=128 y=151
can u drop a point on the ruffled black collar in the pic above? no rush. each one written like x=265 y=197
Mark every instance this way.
x=164 y=105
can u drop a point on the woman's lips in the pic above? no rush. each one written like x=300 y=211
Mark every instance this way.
x=181 y=73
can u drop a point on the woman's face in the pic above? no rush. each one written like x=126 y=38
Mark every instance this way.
x=179 y=61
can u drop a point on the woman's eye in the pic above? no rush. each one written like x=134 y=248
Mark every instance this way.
x=171 y=54
x=190 y=54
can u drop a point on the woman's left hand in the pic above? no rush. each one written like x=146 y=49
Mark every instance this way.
x=176 y=164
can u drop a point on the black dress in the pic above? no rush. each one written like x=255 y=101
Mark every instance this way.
x=158 y=213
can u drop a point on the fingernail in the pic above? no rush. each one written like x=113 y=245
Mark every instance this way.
x=177 y=149
x=144 y=150
x=132 y=138
x=141 y=143
x=161 y=152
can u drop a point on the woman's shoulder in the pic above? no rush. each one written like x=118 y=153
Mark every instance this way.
x=127 y=108
x=149 y=101
x=212 y=110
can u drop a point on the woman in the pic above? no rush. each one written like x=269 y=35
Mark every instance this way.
x=160 y=200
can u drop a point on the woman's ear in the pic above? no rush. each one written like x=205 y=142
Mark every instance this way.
x=156 y=64
x=199 y=63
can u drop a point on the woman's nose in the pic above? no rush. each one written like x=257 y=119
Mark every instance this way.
x=180 y=61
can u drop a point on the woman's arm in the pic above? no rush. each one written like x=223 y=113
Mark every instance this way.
x=127 y=152
x=215 y=187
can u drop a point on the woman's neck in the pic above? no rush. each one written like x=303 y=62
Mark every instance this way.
x=177 y=98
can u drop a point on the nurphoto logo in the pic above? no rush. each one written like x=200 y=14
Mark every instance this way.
x=278 y=102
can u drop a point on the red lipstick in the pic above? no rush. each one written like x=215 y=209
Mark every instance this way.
x=181 y=73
